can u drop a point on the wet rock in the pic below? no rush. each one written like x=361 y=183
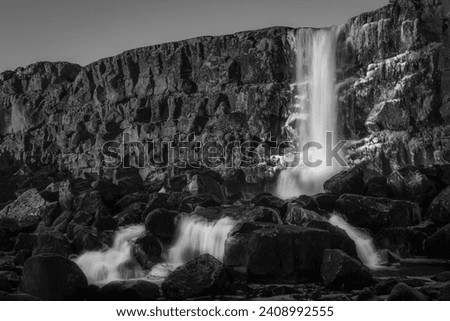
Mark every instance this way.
x=174 y=200
x=307 y=202
x=377 y=187
x=377 y=213
x=346 y=182
x=52 y=242
x=22 y=256
x=88 y=202
x=86 y=238
x=410 y=183
x=207 y=276
x=297 y=215
x=127 y=200
x=277 y=253
x=103 y=221
x=29 y=223
x=242 y=213
x=63 y=220
x=268 y=200
x=234 y=181
x=52 y=277
x=439 y=209
x=403 y=241
x=9 y=227
x=161 y=223
x=341 y=271
x=387 y=258
x=339 y=239
x=107 y=190
x=29 y=203
x=403 y=292
x=202 y=184
x=51 y=213
x=128 y=181
x=156 y=200
x=147 y=250
x=438 y=244
x=132 y=215
x=25 y=241
x=130 y=290
x=189 y=204
x=437 y=291
x=325 y=201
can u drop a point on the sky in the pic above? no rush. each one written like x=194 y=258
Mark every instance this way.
x=82 y=31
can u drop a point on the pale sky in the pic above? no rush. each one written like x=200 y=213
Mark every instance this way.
x=82 y=31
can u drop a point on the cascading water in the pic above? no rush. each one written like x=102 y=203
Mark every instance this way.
x=195 y=236
x=365 y=248
x=315 y=111
x=116 y=263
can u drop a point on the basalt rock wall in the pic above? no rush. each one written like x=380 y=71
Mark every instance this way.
x=393 y=85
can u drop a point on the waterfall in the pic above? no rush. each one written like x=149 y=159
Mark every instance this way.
x=116 y=263
x=365 y=248
x=315 y=111
x=197 y=235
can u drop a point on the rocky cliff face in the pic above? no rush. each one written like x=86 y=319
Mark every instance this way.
x=211 y=88
x=394 y=84
x=393 y=88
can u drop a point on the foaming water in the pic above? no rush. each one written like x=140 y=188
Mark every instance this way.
x=116 y=263
x=315 y=111
x=365 y=247
x=195 y=236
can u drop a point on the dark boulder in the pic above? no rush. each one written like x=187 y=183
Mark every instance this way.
x=189 y=204
x=156 y=200
x=22 y=256
x=437 y=291
x=346 y=182
x=132 y=215
x=63 y=220
x=103 y=221
x=131 y=290
x=297 y=215
x=411 y=184
x=147 y=250
x=204 y=275
x=29 y=223
x=439 y=209
x=127 y=200
x=339 y=239
x=86 y=238
x=161 y=223
x=277 y=253
x=404 y=241
x=52 y=277
x=128 y=181
x=341 y=271
x=268 y=200
x=25 y=241
x=206 y=183
x=52 y=242
x=174 y=200
x=377 y=187
x=438 y=244
x=108 y=191
x=377 y=213
x=51 y=213
x=403 y=292
x=325 y=201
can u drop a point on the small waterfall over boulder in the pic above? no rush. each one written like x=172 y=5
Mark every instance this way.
x=365 y=247
x=116 y=263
